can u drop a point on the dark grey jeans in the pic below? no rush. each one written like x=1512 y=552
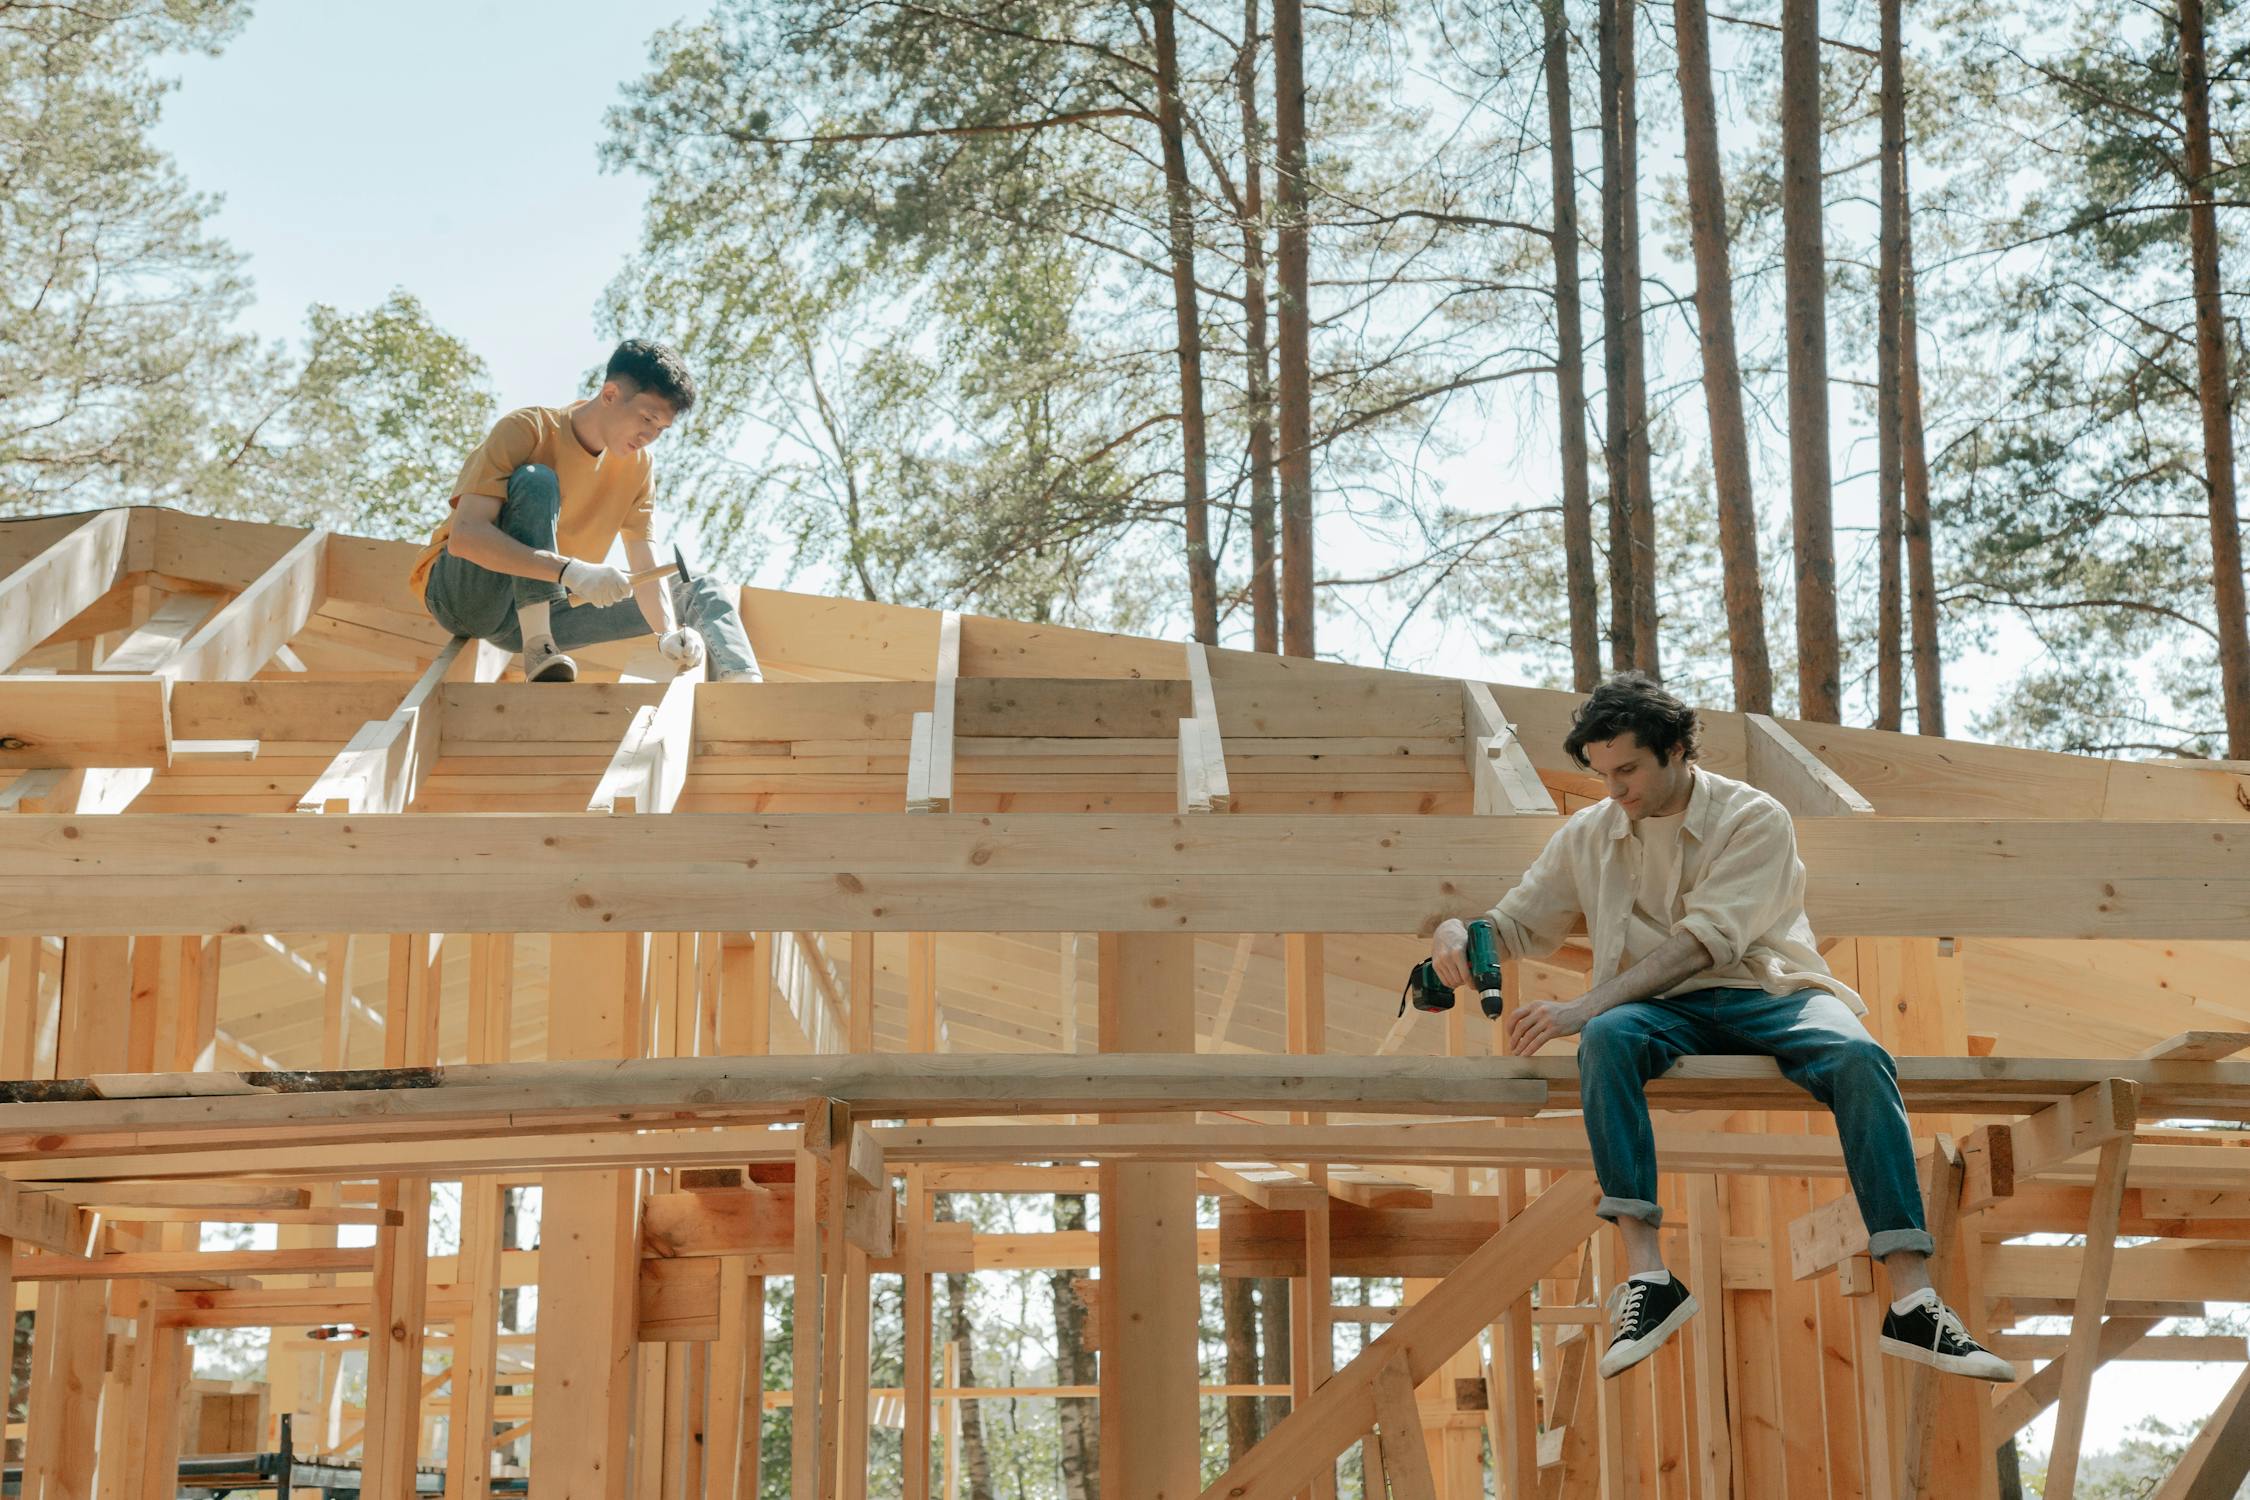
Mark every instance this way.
x=475 y=601
x=1821 y=1047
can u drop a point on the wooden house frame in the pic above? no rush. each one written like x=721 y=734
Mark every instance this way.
x=305 y=906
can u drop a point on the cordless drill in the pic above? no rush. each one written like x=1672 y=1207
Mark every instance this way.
x=1428 y=992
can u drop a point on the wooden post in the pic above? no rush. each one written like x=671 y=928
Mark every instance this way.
x=921 y=1037
x=1151 y=1439
x=71 y=1338
x=1512 y=1396
x=1312 y=1340
x=589 y=1253
x=2086 y=1321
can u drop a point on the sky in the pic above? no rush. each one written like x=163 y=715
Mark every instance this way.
x=448 y=147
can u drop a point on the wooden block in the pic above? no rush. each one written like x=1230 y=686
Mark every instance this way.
x=2199 y=1046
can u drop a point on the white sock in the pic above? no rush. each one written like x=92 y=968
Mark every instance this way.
x=1653 y=1278
x=532 y=618
x=1906 y=1304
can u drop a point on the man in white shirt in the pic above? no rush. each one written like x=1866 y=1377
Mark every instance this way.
x=1694 y=897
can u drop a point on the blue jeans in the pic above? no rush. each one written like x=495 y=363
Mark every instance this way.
x=1821 y=1047
x=475 y=601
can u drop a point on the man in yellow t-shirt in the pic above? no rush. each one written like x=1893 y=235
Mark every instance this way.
x=521 y=560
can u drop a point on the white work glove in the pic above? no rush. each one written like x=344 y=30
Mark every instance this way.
x=597 y=583
x=682 y=646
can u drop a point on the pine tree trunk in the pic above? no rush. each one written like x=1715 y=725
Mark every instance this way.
x=1294 y=329
x=2213 y=391
x=1632 y=525
x=1722 y=371
x=1570 y=367
x=1077 y=1418
x=974 y=1463
x=1921 y=571
x=1805 y=281
x=1273 y=1330
x=1890 y=412
x=1203 y=591
x=1265 y=599
x=1238 y=1307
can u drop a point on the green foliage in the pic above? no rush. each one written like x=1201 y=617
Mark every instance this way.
x=123 y=375
x=367 y=434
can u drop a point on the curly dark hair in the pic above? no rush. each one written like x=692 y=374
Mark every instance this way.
x=1633 y=702
x=646 y=365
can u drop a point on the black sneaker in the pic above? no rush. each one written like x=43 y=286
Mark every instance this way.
x=1642 y=1315
x=1930 y=1333
x=546 y=663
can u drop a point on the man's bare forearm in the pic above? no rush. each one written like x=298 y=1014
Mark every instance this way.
x=1679 y=957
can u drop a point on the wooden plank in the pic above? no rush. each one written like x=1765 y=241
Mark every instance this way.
x=1427 y=1334
x=1213 y=793
x=2198 y=1046
x=42 y=595
x=1151 y=1439
x=74 y=722
x=581 y=1391
x=2085 y=1329
x=1781 y=766
x=1706 y=1233
x=1504 y=780
x=930 y=773
x=1941 y=1196
x=385 y=763
x=1406 y=1462
x=2216 y=1463
x=244 y=635
x=650 y=765
x=952 y=872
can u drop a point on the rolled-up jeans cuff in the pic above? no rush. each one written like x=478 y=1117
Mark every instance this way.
x=1890 y=1241
x=1649 y=1213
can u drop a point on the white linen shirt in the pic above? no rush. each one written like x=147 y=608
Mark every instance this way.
x=1741 y=892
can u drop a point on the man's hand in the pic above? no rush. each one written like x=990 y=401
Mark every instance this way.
x=683 y=647
x=1533 y=1026
x=1449 y=951
x=597 y=583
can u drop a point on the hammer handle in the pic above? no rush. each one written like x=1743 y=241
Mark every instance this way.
x=666 y=570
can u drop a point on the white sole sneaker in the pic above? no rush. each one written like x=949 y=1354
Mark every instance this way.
x=1982 y=1365
x=1620 y=1357
x=551 y=667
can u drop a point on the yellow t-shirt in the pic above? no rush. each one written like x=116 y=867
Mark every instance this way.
x=603 y=495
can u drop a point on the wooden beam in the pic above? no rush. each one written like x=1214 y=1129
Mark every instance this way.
x=929 y=771
x=2085 y=1329
x=244 y=635
x=589 y=1257
x=1049 y=872
x=2216 y=1463
x=1151 y=1438
x=50 y=723
x=1781 y=766
x=1423 y=1338
x=1212 y=791
x=40 y=597
x=1505 y=781
x=2198 y=1046
x=387 y=760
x=1406 y=1462
x=1941 y=1196
x=650 y=765
x=168 y=627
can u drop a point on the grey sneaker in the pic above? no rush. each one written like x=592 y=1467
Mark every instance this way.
x=545 y=662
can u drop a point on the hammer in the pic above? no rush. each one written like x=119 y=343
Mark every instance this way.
x=678 y=565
